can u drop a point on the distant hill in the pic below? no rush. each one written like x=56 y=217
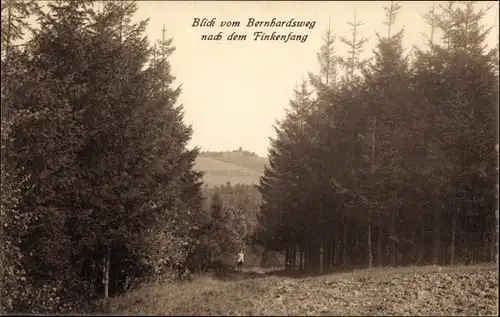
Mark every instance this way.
x=237 y=166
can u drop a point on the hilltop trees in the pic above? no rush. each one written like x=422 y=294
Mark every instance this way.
x=400 y=156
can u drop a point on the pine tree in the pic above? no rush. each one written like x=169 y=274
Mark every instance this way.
x=328 y=61
x=175 y=154
x=113 y=202
x=342 y=144
x=430 y=19
x=455 y=119
x=44 y=147
x=399 y=139
x=15 y=286
x=386 y=80
x=290 y=177
x=353 y=62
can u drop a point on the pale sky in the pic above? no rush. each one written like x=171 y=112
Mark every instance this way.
x=233 y=92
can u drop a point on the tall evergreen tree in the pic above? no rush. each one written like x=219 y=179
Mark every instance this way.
x=461 y=133
x=15 y=286
x=111 y=185
x=328 y=61
x=353 y=63
x=403 y=144
x=386 y=95
x=342 y=144
x=287 y=180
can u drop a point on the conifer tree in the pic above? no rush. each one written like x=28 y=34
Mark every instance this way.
x=111 y=185
x=328 y=61
x=353 y=62
x=386 y=82
x=287 y=180
x=14 y=222
x=402 y=143
x=342 y=141
x=462 y=64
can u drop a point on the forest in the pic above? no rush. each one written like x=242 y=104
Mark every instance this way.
x=383 y=161
x=393 y=160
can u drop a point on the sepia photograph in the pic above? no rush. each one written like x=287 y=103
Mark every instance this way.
x=279 y=158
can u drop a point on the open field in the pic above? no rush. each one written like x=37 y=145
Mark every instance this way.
x=460 y=290
x=230 y=167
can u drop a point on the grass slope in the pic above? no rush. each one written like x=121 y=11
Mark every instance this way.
x=461 y=290
x=230 y=167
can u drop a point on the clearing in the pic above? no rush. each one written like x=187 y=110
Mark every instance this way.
x=431 y=290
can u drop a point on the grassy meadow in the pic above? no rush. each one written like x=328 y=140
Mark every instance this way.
x=230 y=167
x=430 y=290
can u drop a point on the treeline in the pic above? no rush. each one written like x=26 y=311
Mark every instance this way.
x=222 y=153
x=393 y=161
x=98 y=188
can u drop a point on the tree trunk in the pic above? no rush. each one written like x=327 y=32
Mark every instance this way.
x=369 y=239
x=344 y=243
x=301 y=256
x=410 y=253
x=393 y=239
x=422 y=241
x=453 y=238
x=437 y=240
x=379 y=239
x=310 y=261
x=495 y=233
x=318 y=257
x=301 y=259
x=307 y=257
x=332 y=252
x=287 y=258
x=355 y=257
x=113 y=273
x=370 y=256
x=106 y=267
x=337 y=249
x=326 y=255
x=485 y=247
x=312 y=257
x=321 y=258
x=94 y=277
x=8 y=35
